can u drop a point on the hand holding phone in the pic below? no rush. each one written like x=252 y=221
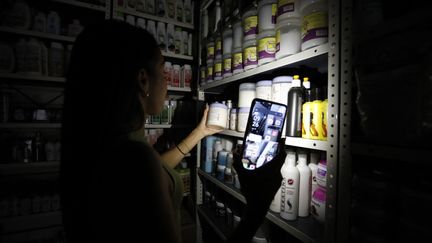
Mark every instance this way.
x=263 y=132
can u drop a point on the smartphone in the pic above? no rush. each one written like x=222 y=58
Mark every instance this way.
x=263 y=132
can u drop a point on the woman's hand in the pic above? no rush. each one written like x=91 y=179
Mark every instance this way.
x=203 y=129
x=260 y=185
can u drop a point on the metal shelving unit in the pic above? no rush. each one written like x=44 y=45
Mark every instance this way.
x=326 y=57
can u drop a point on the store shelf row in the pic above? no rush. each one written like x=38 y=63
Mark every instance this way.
x=153 y=17
x=289 y=141
x=305 y=229
x=312 y=57
x=32 y=33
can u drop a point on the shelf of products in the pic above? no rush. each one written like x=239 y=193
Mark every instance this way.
x=34 y=125
x=180 y=89
x=177 y=56
x=305 y=229
x=42 y=35
x=153 y=17
x=29 y=168
x=157 y=126
x=30 y=222
x=311 y=56
x=82 y=4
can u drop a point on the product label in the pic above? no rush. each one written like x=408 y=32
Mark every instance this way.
x=267 y=47
x=210 y=52
x=274 y=12
x=238 y=61
x=315 y=119
x=277 y=40
x=306 y=119
x=209 y=73
x=288 y=195
x=218 y=47
x=250 y=25
x=314 y=25
x=227 y=65
x=218 y=69
x=286 y=6
x=250 y=56
x=324 y=120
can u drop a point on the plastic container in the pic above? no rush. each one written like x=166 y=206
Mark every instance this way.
x=306 y=114
x=40 y=22
x=237 y=34
x=266 y=47
x=179 y=11
x=189 y=52
x=188 y=11
x=246 y=94
x=130 y=19
x=218 y=69
x=267 y=10
x=209 y=72
x=288 y=37
x=161 y=8
x=250 y=24
x=178 y=40
x=187 y=70
x=227 y=66
x=53 y=23
x=263 y=89
x=324 y=109
x=250 y=58
x=314 y=23
x=210 y=50
x=170 y=8
x=7 y=58
x=288 y=9
x=304 y=186
x=18 y=17
x=321 y=176
x=294 y=113
x=45 y=58
x=33 y=58
x=237 y=61
x=290 y=188
x=275 y=205
x=185 y=38
x=318 y=204
x=140 y=23
x=151 y=27
x=242 y=117
x=280 y=88
x=161 y=34
x=227 y=41
x=171 y=38
x=313 y=165
x=218 y=47
x=176 y=76
x=217 y=116
x=233 y=119
x=168 y=73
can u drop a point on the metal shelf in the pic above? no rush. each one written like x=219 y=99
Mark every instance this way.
x=232 y=133
x=22 y=76
x=157 y=126
x=183 y=89
x=307 y=143
x=305 y=229
x=31 y=222
x=82 y=4
x=37 y=34
x=296 y=59
x=29 y=125
x=152 y=17
x=29 y=168
x=178 y=56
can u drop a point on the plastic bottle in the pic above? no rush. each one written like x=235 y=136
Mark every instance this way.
x=34 y=57
x=227 y=41
x=7 y=58
x=171 y=6
x=306 y=83
x=217 y=116
x=306 y=113
x=275 y=205
x=53 y=23
x=150 y=6
x=237 y=34
x=322 y=173
x=130 y=19
x=168 y=73
x=237 y=60
x=176 y=76
x=233 y=119
x=56 y=59
x=318 y=204
x=161 y=34
x=161 y=8
x=178 y=40
x=218 y=16
x=288 y=9
x=140 y=23
x=242 y=117
x=263 y=89
x=49 y=151
x=140 y=5
x=209 y=143
x=314 y=23
x=250 y=55
x=246 y=94
x=250 y=23
x=288 y=37
x=324 y=111
x=290 y=188
x=188 y=11
x=281 y=85
x=218 y=46
x=217 y=69
x=151 y=27
x=313 y=165
x=267 y=10
x=205 y=23
x=187 y=75
x=38 y=148
x=189 y=52
x=226 y=66
x=316 y=113
x=217 y=146
x=229 y=105
x=266 y=46
x=19 y=16
x=185 y=45
x=295 y=101
x=209 y=72
x=40 y=22
x=170 y=38
x=305 y=186
x=179 y=10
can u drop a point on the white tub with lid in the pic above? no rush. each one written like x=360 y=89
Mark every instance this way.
x=227 y=41
x=250 y=57
x=237 y=34
x=280 y=88
x=250 y=24
x=288 y=37
x=217 y=70
x=263 y=90
x=217 y=115
x=266 y=46
x=209 y=72
x=218 y=47
x=210 y=50
x=314 y=23
x=288 y=9
x=267 y=10
x=237 y=60
x=246 y=94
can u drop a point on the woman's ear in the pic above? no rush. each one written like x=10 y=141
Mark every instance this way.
x=143 y=83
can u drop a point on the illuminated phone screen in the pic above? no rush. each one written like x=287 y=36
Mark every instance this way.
x=263 y=131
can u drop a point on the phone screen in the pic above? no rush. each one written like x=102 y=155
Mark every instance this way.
x=263 y=131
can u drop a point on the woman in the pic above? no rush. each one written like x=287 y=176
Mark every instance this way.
x=114 y=186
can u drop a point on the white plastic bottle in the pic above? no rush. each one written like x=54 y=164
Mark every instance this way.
x=34 y=57
x=275 y=205
x=56 y=60
x=178 y=42
x=218 y=15
x=161 y=33
x=140 y=23
x=305 y=186
x=170 y=38
x=150 y=6
x=188 y=12
x=151 y=27
x=189 y=52
x=179 y=10
x=290 y=188
x=313 y=165
x=49 y=151
x=185 y=39
x=40 y=22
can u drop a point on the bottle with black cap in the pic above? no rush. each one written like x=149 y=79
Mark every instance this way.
x=295 y=101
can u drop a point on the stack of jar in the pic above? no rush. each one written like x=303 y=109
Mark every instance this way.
x=177 y=76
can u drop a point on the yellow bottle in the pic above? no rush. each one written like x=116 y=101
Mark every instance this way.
x=306 y=115
x=324 y=111
x=315 y=119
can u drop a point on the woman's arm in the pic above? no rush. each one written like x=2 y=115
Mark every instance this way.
x=173 y=156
